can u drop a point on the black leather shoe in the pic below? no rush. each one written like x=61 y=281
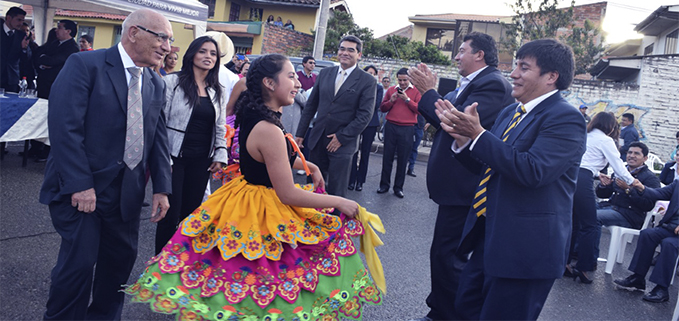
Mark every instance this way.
x=359 y=187
x=351 y=187
x=382 y=190
x=657 y=295
x=411 y=173
x=633 y=282
x=399 y=194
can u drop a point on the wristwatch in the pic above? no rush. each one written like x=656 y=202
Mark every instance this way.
x=627 y=191
x=408 y=100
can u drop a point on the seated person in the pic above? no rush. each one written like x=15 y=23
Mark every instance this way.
x=664 y=235
x=670 y=172
x=624 y=208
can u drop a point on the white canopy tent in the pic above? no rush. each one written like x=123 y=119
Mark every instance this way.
x=184 y=11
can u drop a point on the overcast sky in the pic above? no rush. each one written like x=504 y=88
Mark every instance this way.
x=384 y=16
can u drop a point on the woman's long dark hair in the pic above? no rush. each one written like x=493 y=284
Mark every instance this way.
x=605 y=122
x=252 y=99
x=187 y=80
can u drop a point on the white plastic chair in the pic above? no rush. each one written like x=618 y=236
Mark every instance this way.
x=651 y=161
x=620 y=236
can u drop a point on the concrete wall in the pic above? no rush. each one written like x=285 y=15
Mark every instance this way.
x=654 y=102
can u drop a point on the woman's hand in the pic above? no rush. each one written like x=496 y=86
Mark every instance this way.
x=215 y=166
x=316 y=176
x=348 y=207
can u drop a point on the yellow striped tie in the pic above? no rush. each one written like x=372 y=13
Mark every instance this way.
x=479 y=202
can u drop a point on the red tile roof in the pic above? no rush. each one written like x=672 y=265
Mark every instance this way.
x=457 y=16
x=78 y=14
x=89 y=14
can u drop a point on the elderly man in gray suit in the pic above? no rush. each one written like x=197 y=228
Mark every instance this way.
x=344 y=98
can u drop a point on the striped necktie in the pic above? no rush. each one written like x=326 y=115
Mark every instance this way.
x=479 y=202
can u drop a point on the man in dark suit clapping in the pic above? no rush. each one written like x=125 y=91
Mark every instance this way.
x=344 y=98
x=451 y=185
x=518 y=229
x=107 y=128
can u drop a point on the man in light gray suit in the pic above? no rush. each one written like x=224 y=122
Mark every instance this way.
x=344 y=98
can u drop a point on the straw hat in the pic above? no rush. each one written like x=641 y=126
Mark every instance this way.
x=224 y=42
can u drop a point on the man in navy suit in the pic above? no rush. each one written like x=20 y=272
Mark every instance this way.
x=344 y=98
x=664 y=235
x=13 y=44
x=520 y=222
x=628 y=134
x=95 y=176
x=477 y=60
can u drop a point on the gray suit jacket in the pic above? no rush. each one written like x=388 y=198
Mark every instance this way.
x=87 y=124
x=345 y=114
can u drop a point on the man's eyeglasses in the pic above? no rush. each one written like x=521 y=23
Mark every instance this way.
x=161 y=36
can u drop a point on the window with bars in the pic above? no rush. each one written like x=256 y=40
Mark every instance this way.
x=671 y=42
x=117 y=34
x=234 y=14
x=648 y=50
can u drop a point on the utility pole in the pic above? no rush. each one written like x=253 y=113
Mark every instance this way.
x=319 y=42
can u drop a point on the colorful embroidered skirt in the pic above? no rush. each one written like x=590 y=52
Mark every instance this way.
x=244 y=255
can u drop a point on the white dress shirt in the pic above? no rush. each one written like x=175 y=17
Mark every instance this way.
x=601 y=150
x=127 y=63
x=529 y=106
x=466 y=80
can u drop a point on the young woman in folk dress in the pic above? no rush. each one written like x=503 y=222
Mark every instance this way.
x=261 y=248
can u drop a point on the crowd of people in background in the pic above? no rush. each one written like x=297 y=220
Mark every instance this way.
x=499 y=152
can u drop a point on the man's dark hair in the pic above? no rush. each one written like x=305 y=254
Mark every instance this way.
x=371 y=67
x=385 y=77
x=354 y=39
x=485 y=43
x=402 y=71
x=677 y=136
x=87 y=38
x=644 y=148
x=70 y=25
x=551 y=56
x=629 y=116
x=307 y=58
x=15 y=11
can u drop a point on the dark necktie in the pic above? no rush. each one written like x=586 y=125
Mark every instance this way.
x=479 y=202
x=134 y=138
x=10 y=33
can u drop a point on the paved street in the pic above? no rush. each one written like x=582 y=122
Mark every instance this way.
x=29 y=245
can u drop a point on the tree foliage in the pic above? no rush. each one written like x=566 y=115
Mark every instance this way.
x=398 y=47
x=342 y=23
x=537 y=19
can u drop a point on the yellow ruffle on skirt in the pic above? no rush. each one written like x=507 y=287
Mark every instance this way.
x=250 y=219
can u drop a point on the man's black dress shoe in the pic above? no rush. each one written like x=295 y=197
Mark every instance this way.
x=657 y=295
x=351 y=187
x=633 y=282
x=399 y=194
x=382 y=190
x=359 y=187
x=411 y=173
